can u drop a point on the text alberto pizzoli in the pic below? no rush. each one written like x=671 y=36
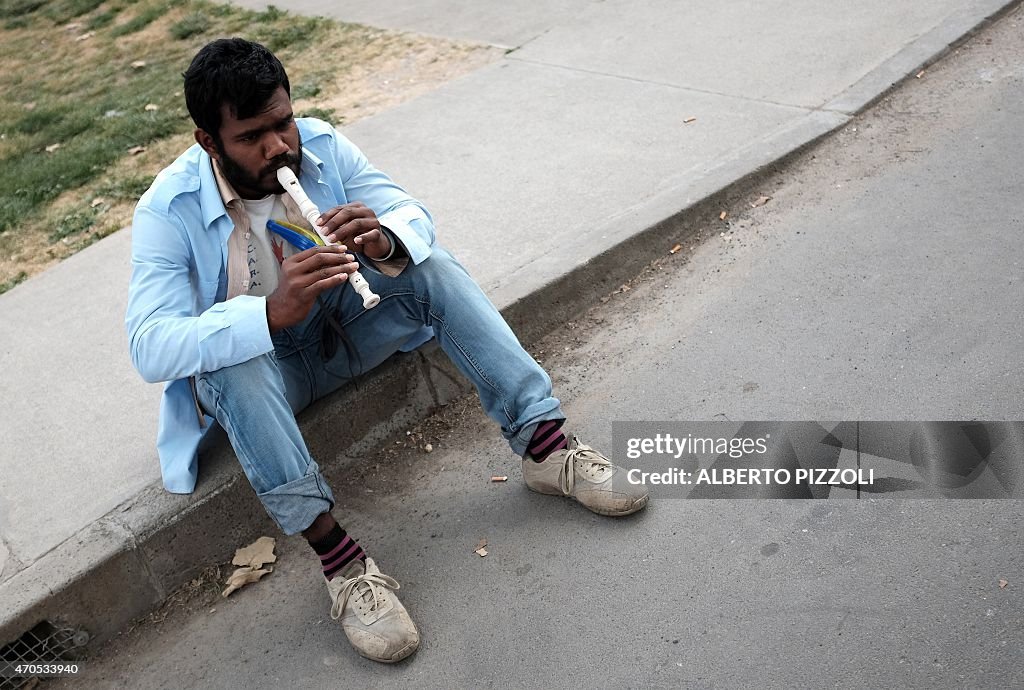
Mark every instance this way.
x=666 y=444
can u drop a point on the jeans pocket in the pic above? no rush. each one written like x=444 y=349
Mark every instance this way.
x=285 y=343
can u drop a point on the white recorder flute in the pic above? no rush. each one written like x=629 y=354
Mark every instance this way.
x=308 y=209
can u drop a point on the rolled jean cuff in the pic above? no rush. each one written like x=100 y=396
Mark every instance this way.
x=295 y=505
x=520 y=440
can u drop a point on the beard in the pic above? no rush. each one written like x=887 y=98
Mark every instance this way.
x=263 y=183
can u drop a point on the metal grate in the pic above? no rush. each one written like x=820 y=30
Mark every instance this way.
x=44 y=644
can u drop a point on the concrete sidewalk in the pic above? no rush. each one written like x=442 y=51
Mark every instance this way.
x=552 y=175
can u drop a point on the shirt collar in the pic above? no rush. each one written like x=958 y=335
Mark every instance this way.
x=210 y=200
x=227 y=193
x=215 y=187
x=312 y=158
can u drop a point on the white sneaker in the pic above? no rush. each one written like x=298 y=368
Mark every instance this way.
x=373 y=618
x=581 y=472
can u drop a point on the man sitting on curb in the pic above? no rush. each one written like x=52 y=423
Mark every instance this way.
x=248 y=329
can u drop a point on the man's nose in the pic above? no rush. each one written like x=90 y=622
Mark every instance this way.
x=275 y=146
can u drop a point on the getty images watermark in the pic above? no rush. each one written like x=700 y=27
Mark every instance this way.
x=734 y=448
x=724 y=459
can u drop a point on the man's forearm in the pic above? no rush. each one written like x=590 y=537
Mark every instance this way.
x=228 y=333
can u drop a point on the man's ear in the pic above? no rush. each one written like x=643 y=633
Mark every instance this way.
x=204 y=139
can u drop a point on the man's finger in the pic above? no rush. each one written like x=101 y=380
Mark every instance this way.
x=319 y=275
x=367 y=237
x=313 y=251
x=338 y=220
x=329 y=282
x=311 y=265
x=342 y=214
x=329 y=214
x=310 y=271
x=319 y=259
x=352 y=228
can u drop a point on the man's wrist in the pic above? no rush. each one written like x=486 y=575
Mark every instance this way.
x=392 y=240
x=270 y=319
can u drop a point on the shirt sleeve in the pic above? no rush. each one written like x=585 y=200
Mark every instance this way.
x=167 y=340
x=403 y=215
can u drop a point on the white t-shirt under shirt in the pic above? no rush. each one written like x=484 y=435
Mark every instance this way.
x=266 y=250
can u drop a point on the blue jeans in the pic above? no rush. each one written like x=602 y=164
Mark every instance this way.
x=256 y=401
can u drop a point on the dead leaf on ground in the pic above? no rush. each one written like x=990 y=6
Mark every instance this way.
x=52 y=147
x=761 y=201
x=242 y=577
x=1003 y=584
x=480 y=548
x=136 y=150
x=675 y=249
x=256 y=554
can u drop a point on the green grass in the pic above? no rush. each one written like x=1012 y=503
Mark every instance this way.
x=89 y=141
x=63 y=11
x=140 y=21
x=327 y=114
x=192 y=25
x=98 y=21
x=127 y=188
x=306 y=89
x=267 y=16
x=74 y=223
x=10 y=283
x=19 y=8
x=298 y=31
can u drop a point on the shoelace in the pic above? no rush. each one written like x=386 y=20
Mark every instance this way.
x=367 y=580
x=587 y=456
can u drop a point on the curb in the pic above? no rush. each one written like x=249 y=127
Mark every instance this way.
x=122 y=566
x=125 y=564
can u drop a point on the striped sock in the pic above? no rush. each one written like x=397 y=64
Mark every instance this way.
x=546 y=440
x=336 y=551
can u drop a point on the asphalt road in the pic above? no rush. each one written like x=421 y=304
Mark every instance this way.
x=883 y=280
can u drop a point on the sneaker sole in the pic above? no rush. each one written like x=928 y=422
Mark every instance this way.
x=637 y=506
x=402 y=653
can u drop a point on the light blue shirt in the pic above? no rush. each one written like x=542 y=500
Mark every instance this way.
x=179 y=323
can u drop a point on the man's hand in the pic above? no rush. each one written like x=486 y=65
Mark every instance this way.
x=356 y=225
x=304 y=276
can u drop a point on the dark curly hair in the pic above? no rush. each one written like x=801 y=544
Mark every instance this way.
x=233 y=71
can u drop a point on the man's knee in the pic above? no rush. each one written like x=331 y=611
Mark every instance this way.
x=253 y=378
x=438 y=269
